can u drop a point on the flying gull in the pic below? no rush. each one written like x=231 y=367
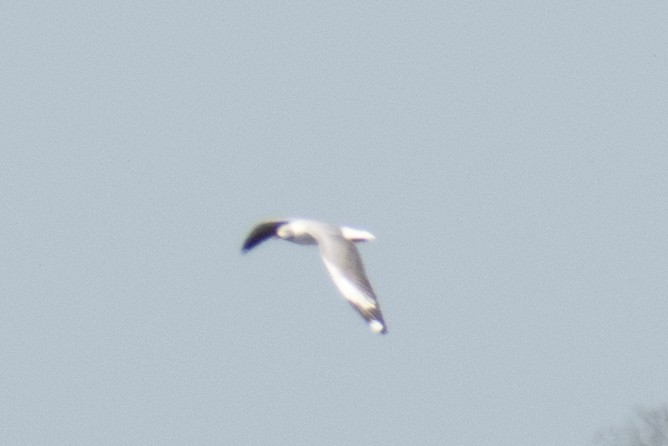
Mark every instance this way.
x=338 y=252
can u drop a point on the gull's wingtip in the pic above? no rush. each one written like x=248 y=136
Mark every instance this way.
x=245 y=248
x=261 y=232
x=377 y=326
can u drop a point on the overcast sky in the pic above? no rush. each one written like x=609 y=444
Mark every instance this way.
x=511 y=160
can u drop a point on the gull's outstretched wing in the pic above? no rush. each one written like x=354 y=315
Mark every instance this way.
x=260 y=233
x=345 y=266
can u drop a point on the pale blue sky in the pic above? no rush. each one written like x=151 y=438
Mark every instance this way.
x=511 y=160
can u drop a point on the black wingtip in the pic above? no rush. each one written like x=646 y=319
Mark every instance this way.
x=260 y=233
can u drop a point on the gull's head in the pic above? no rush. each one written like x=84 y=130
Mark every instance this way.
x=285 y=231
x=356 y=235
x=296 y=231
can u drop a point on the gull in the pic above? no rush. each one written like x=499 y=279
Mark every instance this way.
x=338 y=252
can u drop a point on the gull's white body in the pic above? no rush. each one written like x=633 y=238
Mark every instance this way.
x=339 y=254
